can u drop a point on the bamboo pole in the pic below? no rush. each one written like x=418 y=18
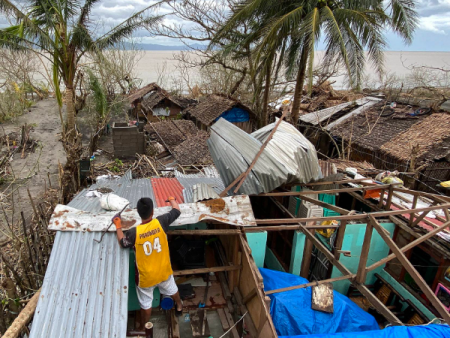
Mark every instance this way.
x=23 y=318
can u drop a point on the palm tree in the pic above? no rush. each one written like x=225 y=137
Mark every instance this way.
x=60 y=30
x=349 y=28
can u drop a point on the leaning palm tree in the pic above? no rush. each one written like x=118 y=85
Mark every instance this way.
x=61 y=31
x=349 y=28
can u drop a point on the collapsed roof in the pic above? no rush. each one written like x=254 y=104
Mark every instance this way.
x=288 y=158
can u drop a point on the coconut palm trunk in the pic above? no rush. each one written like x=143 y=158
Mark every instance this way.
x=300 y=81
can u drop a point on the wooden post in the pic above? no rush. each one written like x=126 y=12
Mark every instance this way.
x=380 y=204
x=412 y=271
x=339 y=239
x=411 y=215
x=307 y=253
x=233 y=275
x=362 y=272
x=389 y=200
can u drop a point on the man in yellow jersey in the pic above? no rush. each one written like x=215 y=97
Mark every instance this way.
x=153 y=267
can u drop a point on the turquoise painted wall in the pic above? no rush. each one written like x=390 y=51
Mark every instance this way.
x=272 y=262
x=406 y=294
x=298 y=245
x=353 y=240
x=258 y=242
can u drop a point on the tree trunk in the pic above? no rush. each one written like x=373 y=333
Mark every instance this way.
x=298 y=93
x=70 y=106
x=265 y=117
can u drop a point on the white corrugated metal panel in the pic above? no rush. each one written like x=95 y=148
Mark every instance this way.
x=233 y=150
x=293 y=151
x=370 y=101
x=234 y=210
x=85 y=290
x=321 y=115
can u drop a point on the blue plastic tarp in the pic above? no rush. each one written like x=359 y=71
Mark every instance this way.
x=292 y=314
x=425 y=331
x=235 y=115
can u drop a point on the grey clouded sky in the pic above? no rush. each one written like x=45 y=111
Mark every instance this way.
x=432 y=34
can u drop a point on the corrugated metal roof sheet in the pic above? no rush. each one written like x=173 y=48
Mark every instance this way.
x=232 y=150
x=85 y=290
x=369 y=103
x=320 y=116
x=127 y=188
x=188 y=182
x=293 y=151
x=209 y=171
x=88 y=297
x=165 y=187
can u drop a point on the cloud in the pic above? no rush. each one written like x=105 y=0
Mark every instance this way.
x=436 y=23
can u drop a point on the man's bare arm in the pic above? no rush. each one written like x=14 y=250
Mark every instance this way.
x=173 y=202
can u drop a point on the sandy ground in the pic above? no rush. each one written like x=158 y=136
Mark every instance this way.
x=32 y=171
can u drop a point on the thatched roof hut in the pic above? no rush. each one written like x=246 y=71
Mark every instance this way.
x=212 y=107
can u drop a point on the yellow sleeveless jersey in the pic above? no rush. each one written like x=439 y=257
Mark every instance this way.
x=152 y=254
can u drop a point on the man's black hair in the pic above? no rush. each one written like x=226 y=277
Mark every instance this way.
x=145 y=207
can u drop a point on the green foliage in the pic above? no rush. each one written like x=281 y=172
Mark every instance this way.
x=98 y=94
x=62 y=32
x=116 y=167
x=293 y=28
x=12 y=102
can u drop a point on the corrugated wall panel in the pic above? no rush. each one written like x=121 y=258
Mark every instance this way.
x=85 y=290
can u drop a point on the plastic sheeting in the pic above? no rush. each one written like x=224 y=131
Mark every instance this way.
x=293 y=150
x=235 y=115
x=292 y=314
x=423 y=331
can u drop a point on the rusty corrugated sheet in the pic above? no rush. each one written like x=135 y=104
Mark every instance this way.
x=165 y=187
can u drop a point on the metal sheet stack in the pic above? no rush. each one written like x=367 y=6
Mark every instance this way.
x=288 y=158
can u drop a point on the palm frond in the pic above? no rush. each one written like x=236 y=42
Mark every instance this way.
x=86 y=11
x=404 y=18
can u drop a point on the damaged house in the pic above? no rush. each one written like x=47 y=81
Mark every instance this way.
x=151 y=103
x=211 y=108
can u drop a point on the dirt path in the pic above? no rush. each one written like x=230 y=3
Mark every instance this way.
x=32 y=171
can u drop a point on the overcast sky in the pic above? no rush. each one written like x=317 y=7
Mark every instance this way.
x=432 y=34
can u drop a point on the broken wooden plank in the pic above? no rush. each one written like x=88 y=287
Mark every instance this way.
x=361 y=272
x=199 y=323
x=223 y=319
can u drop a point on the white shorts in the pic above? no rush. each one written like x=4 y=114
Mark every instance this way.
x=145 y=295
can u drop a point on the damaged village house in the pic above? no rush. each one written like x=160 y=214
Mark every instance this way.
x=279 y=244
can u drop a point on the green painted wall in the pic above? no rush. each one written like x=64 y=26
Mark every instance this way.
x=258 y=242
x=406 y=294
x=298 y=245
x=353 y=240
x=272 y=262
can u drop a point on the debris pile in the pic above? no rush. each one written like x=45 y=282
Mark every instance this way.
x=171 y=133
x=193 y=150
